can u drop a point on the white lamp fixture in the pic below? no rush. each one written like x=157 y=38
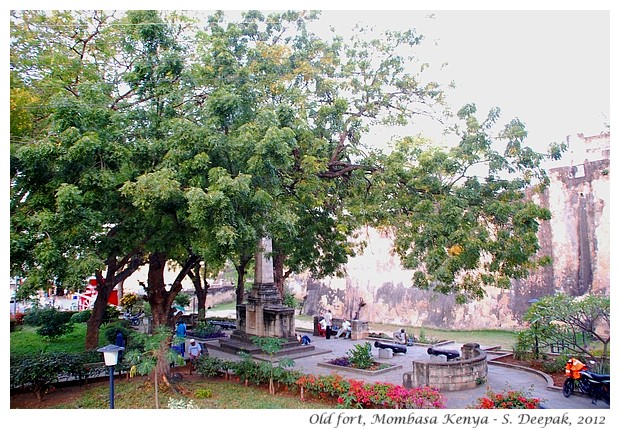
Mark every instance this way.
x=110 y=354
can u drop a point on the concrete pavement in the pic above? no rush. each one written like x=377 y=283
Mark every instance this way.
x=499 y=376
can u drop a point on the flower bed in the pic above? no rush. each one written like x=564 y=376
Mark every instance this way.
x=359 y=394
x=507 y=399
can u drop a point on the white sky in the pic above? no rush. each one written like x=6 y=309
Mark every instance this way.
x=551 y=69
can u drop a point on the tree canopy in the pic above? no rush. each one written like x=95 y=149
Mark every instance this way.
x=148 y=137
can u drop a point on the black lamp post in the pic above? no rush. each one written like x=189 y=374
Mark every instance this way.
x=536 y=351
x=110 y=355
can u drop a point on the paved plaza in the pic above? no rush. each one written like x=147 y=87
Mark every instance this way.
x=499 y=376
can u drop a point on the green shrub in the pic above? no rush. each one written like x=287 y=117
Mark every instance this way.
x=204 y=393
x=51 y=322
x=109 y=331
x=289 y=299
x=81 y=317
x=207 y=330
x=40 y=316
x=128 y=301
x=246 y=369
x=361 y=356
x=111 y=314
x=522 y=350
x=555 y=365
x=182 y=299
x=209 y=366
x=38 y=372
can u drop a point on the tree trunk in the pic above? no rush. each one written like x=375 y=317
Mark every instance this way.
x=241 y=271
x=96 y=318
x=161 y=301
x=278 y=272
x=201 y=291
x=116 y=271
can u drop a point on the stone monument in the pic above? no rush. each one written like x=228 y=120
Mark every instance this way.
x=263 y=314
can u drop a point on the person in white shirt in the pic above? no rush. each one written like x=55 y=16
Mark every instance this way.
x=400 y=337
x=322 y=326
x=194 y=350
x=328 y=324
x=344 y=329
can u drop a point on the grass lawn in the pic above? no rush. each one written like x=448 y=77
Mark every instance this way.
x=27 y=341
x=204 y=393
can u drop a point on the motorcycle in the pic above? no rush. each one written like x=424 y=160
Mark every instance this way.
x=595 y=386
x=135 y=319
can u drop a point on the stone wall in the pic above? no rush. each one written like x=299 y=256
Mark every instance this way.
x=576 y=238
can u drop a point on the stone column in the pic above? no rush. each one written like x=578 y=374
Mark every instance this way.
x=265 y=316
x=263 y=268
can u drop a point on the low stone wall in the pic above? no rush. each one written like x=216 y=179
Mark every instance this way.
x=459 y=374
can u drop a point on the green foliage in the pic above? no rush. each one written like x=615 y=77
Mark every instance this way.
x=110 y=330
x=26 y=341
x=246 y=369
x=210 y=366
x=428 y=198
x=289 y=299
x=271 y=346
x=38 y=372
x=51 y=322
x=361 y=356
x=148 y=138
x=81 y=317
x=143 y=358
x=204 y=393
x=39 y=316
x=556 y=364
x=111 y=314
x=182 y=299
x=207 y=330
x=571 y=321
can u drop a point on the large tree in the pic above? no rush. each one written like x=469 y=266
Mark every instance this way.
x=152 y=142
x=68 y=220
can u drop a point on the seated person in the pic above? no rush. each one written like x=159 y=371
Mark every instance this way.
x=400 y=337
x=303 y=339
x=344 y=329
x=322 y=327
x=194 y=350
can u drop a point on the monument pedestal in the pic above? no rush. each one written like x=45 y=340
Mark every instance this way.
x=263 y=315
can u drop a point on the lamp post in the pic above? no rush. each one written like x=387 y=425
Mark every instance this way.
x=536 y=352
x=110 y=355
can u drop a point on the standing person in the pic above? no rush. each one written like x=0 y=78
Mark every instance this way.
x=120 y=342
x=328 y=324
x=344 y=329
x=321 y=327
x=181 y=331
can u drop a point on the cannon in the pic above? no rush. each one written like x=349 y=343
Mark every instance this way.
x=449 y=354
x=396 y=348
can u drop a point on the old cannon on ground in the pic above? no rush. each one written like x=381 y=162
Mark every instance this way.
x=396 y=348
x=449 y=354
